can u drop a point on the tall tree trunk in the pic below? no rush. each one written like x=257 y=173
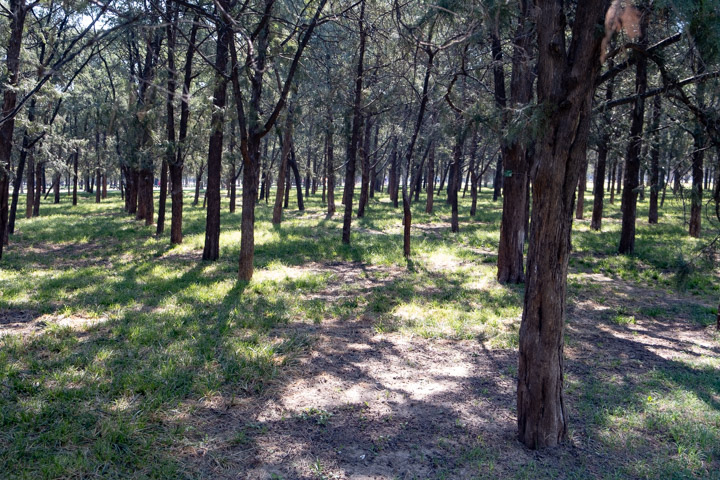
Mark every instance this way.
x=31 y=186
x=355 y=135
x=565 y=78
x=498 y=179
x=56 y=188
x=407 y=214
x=330 y=165
x=232 y=177
x=18 y=181
x=632 y=159
x=172 y=15
x=145 y=165
x=247 y=225
x=177 y=166
x=456 y=170
x=655 y=161
x=698 y=157
x=394 y=177
x=697 y=187
x=133 y=180
x=18 y=12
x=582 y=186
x=514 y=155
x=365 y=156
x=296 y=172
x=212 y=224
x=38 y=188
x=198 y=185
x=252 y=132
x=282 y=171
x=430 y=189
x=288 y=186
x=599 y=180
x=98 y=190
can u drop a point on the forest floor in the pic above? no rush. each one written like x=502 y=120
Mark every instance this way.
x=123 y=357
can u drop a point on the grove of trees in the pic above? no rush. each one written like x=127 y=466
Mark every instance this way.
x=536 y=99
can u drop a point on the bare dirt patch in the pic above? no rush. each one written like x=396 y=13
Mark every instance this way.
x=28 y=322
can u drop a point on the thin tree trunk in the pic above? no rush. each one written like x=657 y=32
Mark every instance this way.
x=632 y=160
x=38 y=188
x=697 y=187
x=514 y=163
x=582 y=186
x=284 y=159
x=430 y=189
x=212 y=225
x=98 y=190
x=498 y=179
x=599 y=180
x=17 y=184
x=177 y=166
x=56 y=188
x=394 y=177
x=355 y=136
x=30 y=196
x=655 y=162
x=454 y=182
x=330 y=165
x=298 y=182
x=365 y=156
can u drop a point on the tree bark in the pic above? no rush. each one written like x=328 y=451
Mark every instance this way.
x=282 y=171
x=697 y=187
x=56 y=188
x=98 y=190
x=655 y=162
x=514 y=157
x=38 y=188
x=430 y=189
x=355 y=135
x=498 y=179
x=18 y=12
x=566 y=81
x=30 y=200
x=394 y=177
x=632 y=160
x=298 y=181
x=599 y=180
x=365 y=180
x=456 y=170
x=18 y=179
x=330 y=163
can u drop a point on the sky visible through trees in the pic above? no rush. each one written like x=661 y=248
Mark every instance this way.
x=360 y=140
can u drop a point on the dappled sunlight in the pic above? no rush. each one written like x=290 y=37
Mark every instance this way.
x=338 y=353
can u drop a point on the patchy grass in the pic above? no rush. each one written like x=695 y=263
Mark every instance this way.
x=114 y=341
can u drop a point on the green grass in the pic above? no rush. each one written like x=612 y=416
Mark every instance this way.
x=167 y=332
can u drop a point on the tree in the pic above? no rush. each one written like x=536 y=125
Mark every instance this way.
x=214 y=163
x=356 y=126
x=514 y=155
x=632 y=159
x=18 y=12
x=252 y=129
x=566 y=80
